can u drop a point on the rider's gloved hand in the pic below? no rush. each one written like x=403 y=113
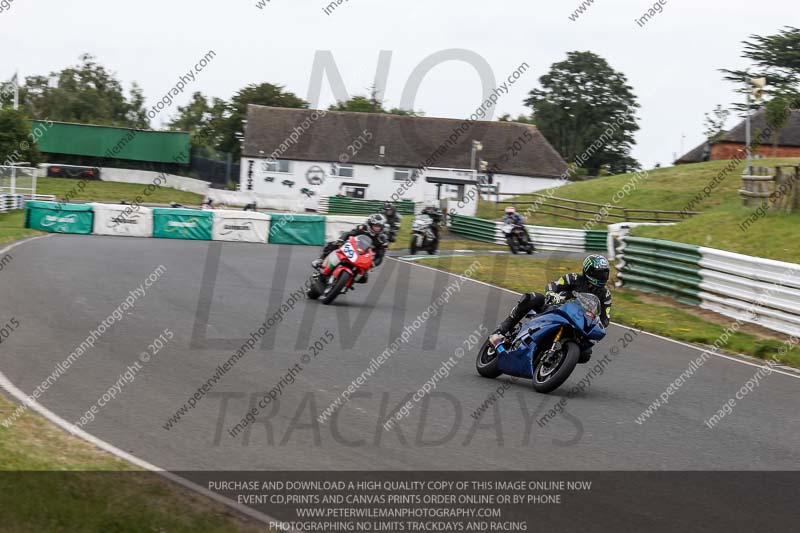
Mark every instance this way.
x=554 y=298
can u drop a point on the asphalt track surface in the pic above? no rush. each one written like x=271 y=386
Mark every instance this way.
x=61 y=287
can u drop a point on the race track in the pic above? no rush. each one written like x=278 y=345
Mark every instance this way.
x=59 y=288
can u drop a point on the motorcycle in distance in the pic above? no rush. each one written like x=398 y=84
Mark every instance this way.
x=422 y=236
x=518 y=239
x=545 y=347
x=342 y=268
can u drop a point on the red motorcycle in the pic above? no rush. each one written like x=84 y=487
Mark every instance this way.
x=342 y=268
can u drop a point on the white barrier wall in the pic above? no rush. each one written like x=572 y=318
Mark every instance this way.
x=240 y=226
x=336 y=225
x=122 y=220
x=751 y=289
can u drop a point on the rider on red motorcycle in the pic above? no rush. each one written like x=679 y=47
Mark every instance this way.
x=375 y=228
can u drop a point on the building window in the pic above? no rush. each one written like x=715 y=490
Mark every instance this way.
x=343 y=171
x=279 y=165
x=355 y=192
x=402 y=174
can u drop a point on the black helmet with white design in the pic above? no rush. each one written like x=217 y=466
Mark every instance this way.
x=596 y=270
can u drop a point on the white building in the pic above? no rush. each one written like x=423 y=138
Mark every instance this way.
x=292 y=157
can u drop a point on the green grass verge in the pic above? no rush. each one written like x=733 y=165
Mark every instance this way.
x=12 y=227
x=630 y=308
x=110 y=191
x=52 y=481
x=673 y=189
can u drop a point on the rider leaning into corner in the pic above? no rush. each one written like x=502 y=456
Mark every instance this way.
x=374 y=228
x=592 y=279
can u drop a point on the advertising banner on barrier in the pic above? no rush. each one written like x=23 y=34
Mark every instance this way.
x=297 y=229
x=122 y=220
x=240 y=226
x=182 y=224
x=59 y=218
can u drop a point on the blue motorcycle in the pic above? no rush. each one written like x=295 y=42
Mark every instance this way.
x=546 y=347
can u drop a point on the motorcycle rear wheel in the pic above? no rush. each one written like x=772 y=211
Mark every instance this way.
x=336 y=289
x=488 y=361
x=547 y=380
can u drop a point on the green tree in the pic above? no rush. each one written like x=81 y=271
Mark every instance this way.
x=199 y=117
x=227 y=118
x=775 y=57
x=86 y=93
x=586 y=108
x=359 y=104
x=523 y=119
x=16 y=140
x=715 y=122
x=371 y=104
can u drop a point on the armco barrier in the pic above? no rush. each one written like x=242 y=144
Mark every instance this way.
x=748 y=289
x=342 y=205
x=476 y=229
x=751 y=289
x=662 y=267
x=544 y=237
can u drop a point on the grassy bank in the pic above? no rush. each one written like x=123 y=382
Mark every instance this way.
x=674 y=189
x=109 y=191
x=660 y=316
x=12 y=227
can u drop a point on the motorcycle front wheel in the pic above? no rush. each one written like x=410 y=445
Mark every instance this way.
x=336 y=288
x=487 y=361
x=512 y=243
x=414 y=238
x=550 y=374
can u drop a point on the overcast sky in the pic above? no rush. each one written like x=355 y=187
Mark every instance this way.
x=671 y=62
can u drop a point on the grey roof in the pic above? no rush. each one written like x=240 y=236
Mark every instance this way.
x=696 y=155
x=789 y=134
x=410 y=142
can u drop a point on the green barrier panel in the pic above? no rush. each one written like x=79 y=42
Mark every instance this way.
x=190 y=224
x=596 y=241
x=342 y=205
x=297 y=229
x=59 y=218
x=662 y=267
x=473 y=228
